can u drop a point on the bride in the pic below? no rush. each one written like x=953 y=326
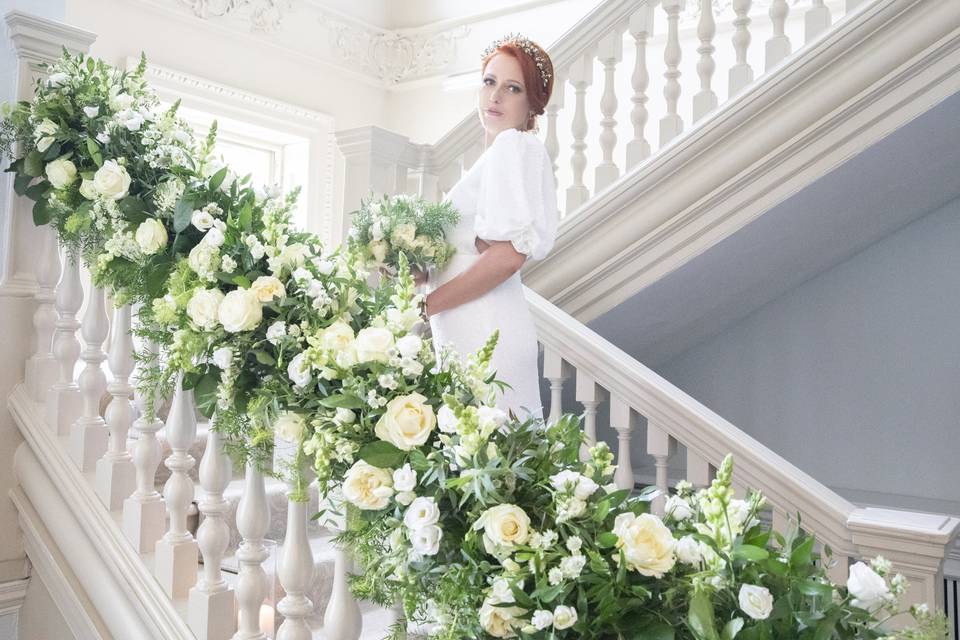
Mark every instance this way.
x=508 y=214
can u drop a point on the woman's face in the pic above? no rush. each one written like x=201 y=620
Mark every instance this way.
x=502 y=100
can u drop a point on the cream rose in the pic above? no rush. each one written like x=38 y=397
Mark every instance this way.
x=755 y=601
x=368 y=487
x=112 y=180
x=403 y=235
x=240 y=311
x=87 y=190
x=500 y=622
x=407 y=422
x=564 y=617
x=378 y=249
x=337 y=337
x=372 y=343
x=203 y=307
x=268 y=288
x=868 y=588
x=151 y=236
x=504 y=527
x=290 y=426
x=647 y=544
x=61 y=173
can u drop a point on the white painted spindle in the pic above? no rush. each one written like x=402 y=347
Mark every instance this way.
x=551 y=141
x=116 y=476
x=641 y=27
x=88 y=435
x=661 y=446
x=342 y=620
x=623 y=421
x=580 y=75
x=211 y=609
x=705 y=100
x=176 y=555
x=609 y=52
x=42 y=369
x=777 y=45
x=671 y=124
x=253 y=522
x=63 y=399
x=816 y=20
x=741 y=73
x=554 y=370
x=698 y=469
x=296 y=574
x=588 y=396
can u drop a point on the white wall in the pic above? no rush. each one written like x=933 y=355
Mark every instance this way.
x=853 y=376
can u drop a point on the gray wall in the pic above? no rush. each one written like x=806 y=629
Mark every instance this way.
x=854 y=375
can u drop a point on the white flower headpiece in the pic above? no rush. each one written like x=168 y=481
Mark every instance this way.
x=527 y=46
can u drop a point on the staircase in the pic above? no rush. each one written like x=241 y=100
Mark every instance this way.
x=860 y=69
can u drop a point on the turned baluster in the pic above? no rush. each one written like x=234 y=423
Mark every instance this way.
x=176 y=551
x=671 y=125
x=42 y=368
x=641 y=26
x=741 y=73
x=63 y=398
x=588 y=394
x=623 y=420
x=556 y=371
x=580 y=75
x=777 y=45
x=116 y=476
x=253 y=522
x=551 y=141
x=296 y=573
x=88 y=435
x=342 y=620
x=609 y=52
x=705 y=100
x=816 y=20
x=661 y=446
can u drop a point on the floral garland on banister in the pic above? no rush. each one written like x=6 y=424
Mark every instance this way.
x=480 y=524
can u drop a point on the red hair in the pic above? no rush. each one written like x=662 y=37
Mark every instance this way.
x=538 y=95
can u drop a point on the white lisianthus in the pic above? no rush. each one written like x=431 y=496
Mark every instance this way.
x=868 y=588
x=426 y=540
x=92 y=111
x=447 y=420
x=422 y=512
x=204 y=260
x=407 y=421
x=201 y=219
x=688 y=550
x=500 y=622
x=213 y=237
x=267 y=288
x=299 y=370
x=405 y=478
x=240 y=311
x=344 y=416
x=61 y=173
x=290 y=426
x=87 y=190
x=368 y=487
x=151 y=236
x=569 y=480
x=121 y=101
x=405 y=319
x=542 y=619
x=648 y=545
x=223 y=357
x=564 y=617
x=677 y=508
x=756 y=601
x=409 y=345
x=504 y=527
x=276 y=331
x=203 y=307
x=372 y=343
x=490 y=419
x=112 y=180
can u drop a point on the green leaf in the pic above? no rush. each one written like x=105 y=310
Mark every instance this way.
x=133 y=208
x=52 y=152
x=241 y=281
x=217 y=179
x=750 y=552
x=801 y=554
x=246 y=217
x=182 y=214
x=263 y=357
x=813 y=588
x=649 y=631
x=21 y=183
x=94 y=151
x=700 y=617
x=33 y=164
x=607 y=539
x=155 y=279
x=41 y=213
x=521 y=598
x=37 y=191
x=382 y=454
x=345 y=400
x=826 y=626
x=206 y=392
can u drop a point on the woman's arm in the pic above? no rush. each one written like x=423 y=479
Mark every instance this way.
x=497 y=262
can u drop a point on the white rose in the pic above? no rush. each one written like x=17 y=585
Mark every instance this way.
x=500 y=622
x=677 y=508
x=203 y=307
x=688 y=550
x=240 y=311
x=57 y=79
x=403 y=235
x=756 y=601
x=426 y=540
x=46 y=128
x=61 y=173
x=504 y=527
x=422 y=512
x=564 y=617
x=121 y=101
x=404 y=478
x=44 y=143
x=406 y=497
x=213 y=237
x=542 y=619
x=372 y=343
x=646 y=542
x=367 y=487
x=868 y=588
x=409 y=345
x=378 y=249
x=267 y=288
x=290 y=426
x=87 y=190
x=201 y=219
x=203 y=259
x=337 y=337
x=276 y=331
x=344 y=416
x=112 y=180
x=407 y=421
x=299 y=370
x=223 y=357
x=490 y=419
x=151 y=236
x=92 y=112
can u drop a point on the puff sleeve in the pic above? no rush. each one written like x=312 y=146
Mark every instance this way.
x=517 y=200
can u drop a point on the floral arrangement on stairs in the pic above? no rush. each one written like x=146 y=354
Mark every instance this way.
x=480 y=524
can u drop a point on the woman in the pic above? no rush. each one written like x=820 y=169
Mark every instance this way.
x=507 y=203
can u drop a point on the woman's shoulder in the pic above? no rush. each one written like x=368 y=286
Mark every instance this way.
x=512 y=140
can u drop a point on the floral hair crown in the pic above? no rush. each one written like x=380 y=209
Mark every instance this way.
x=527 y=46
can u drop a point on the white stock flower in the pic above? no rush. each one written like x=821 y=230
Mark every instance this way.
x=688 y=550
x=569 y=480
x=542 y=619
x=574 y=544
x=409 y=345
x=564 y=617
x=57 y=79
x=405 y=478
x=92 y=111
x=572 y=565
x=755 y=601
x=447 y=420
x=240 y=311
x=299 y=370
x=368 y=487
x=214 y=237
x=267 y=288
x=407 y=421
x=504 y=527
x=372 y=343
x=677 y=508
x=490 y=418
x=203 y=307
x=61 y=173
x=868 y=588
x=151 y=236
x=555 y=576
x=112 y=180
x=290 y=426
x=223 y=357
x=422 y=512
x=646 y=542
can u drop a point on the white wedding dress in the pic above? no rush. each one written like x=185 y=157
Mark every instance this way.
x=508 y=194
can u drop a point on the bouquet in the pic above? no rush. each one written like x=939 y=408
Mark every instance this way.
x=393 y=225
